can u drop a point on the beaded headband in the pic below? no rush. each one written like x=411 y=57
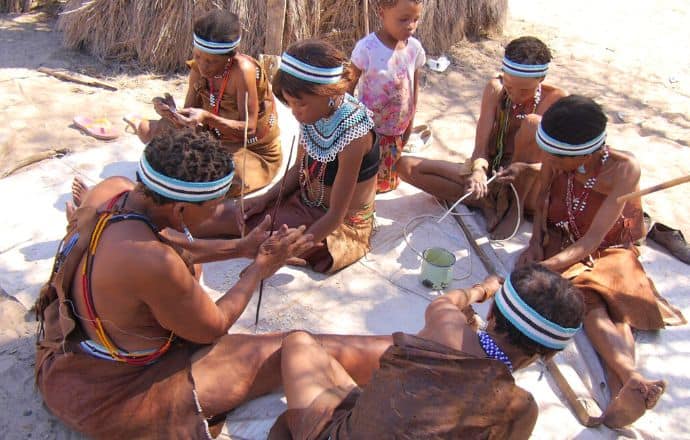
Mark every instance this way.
x=215 y=48
x=309 y=73
x=554 y=146
x=529 y=321
x=179 y=189
x=524 y=70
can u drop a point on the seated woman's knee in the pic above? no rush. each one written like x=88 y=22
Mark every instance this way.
x=298 y=337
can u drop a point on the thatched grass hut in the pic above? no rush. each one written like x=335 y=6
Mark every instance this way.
x=157 y=32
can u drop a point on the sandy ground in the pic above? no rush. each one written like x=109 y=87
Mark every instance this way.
x=631 y=57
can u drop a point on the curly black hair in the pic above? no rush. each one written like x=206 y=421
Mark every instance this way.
x=574 y=119
x=219 y=26
x=186 y=155
x=528 y=50
x=552 y=296
x=318 y=53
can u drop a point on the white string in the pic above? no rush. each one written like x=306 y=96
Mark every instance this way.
x=407 y=230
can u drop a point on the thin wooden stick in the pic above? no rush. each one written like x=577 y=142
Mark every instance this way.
x=80 y=79
x=653 y=189
x=48 y=154
x=244 y=159
x=273 y=221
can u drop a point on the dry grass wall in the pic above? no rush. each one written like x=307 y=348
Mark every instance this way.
x=157 y=33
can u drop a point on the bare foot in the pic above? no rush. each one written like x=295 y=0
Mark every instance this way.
x=636 y=396
x=69 y=210
x=79 y=189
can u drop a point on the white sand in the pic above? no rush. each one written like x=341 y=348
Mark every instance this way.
x=631 y=65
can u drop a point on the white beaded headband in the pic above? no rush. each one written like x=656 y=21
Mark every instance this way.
x=215 y=48
x=554 y=146
x=524 y=70
x=307 y=72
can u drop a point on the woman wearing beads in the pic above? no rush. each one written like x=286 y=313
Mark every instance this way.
x=332 y=185
x=582 y=231
x=510 y=112
x=219 y=81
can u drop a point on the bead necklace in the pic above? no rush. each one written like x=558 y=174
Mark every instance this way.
x=323 y=140
x=492 y=349
x=576 y=205
x=520 y=107
x=214 y=99
x=312 y=195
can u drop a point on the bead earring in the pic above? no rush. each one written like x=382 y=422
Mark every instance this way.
x=187 y=233
x=185 y=229
x=331 y=102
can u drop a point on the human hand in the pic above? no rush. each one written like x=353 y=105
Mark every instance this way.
x=477 y=184
x=249 y=245
x=493 y=282
x=285 y=244
x=192 y=116
x=166 y=108
x=510 y=173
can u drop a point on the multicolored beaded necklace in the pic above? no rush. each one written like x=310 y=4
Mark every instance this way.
x=509 y=111
x=115 y=352
x=576 y=205
x=214 y=100
x=492 y=349
x=323 y=140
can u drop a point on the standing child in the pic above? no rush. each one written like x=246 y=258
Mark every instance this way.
x=387 y=62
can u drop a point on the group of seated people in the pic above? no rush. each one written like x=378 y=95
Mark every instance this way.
x=132 y=346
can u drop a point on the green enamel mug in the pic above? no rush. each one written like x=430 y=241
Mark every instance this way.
x=437 y=268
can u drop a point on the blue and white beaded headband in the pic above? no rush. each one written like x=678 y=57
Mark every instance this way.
x=215 y=48
x=180 y=190
x=524 y=70
x=309 y=73
x=554 y=146
x=529 y=321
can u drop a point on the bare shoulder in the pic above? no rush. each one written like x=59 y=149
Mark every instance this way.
x=551 y=94
x=246 y=64
x=105 y=190
x=493 y=88
x=358 y=147
x=146 y=264
x=624 y=169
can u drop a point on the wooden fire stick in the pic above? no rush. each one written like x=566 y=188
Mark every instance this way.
x=652 y=189
x=273 y=221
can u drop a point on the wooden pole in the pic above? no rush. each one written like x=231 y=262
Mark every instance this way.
x=365 y=6
x=655 y=188
x=275 y=26
x=77 y=78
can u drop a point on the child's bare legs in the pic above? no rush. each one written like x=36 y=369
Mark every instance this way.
x=439 y=178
